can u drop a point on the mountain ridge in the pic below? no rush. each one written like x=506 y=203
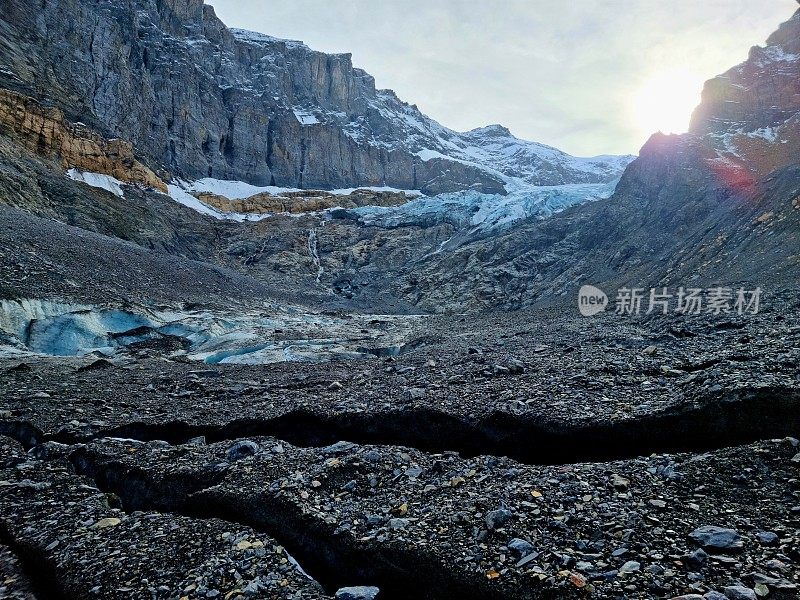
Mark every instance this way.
x=197 y=99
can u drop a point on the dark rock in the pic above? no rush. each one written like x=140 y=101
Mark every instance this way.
x=358 y=593
x=715 y=538
x=520 y=547
x=695 y=561
x=631 y=566
x=101 y=363
x=497 y=518
x=243 y=449
x=738 y=592
x=768 y=538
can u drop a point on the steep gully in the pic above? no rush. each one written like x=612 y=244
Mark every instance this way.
x=725 y=419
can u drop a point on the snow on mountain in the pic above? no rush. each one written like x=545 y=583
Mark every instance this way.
x=98 y=180
x=233 y=190
x=493 y=148
x=749 y=114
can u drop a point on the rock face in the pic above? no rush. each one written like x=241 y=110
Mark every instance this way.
x=749 y=114
x=46 y=132
x=201 y=100
x=718 y=204
x=301 y=202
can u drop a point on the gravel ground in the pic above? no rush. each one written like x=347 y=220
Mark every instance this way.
x=82 y=545
x=545 y=457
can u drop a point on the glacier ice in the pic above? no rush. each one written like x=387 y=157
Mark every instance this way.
x=276 y=333
x=483 y=213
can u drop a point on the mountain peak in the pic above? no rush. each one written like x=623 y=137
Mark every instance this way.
x=494 y=130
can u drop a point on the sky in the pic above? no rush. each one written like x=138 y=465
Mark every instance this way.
x=587 y=76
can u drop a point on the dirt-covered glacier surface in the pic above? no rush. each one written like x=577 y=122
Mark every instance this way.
x=552 y=457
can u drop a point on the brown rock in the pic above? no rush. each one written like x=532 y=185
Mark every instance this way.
x=46 y=132
x=302 y=202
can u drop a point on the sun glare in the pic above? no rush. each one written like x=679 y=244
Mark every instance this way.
x=665 y=102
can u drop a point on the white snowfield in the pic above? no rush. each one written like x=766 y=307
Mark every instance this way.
x=178 y=192
x=233 y=190
x=306 y=117
x=98 y=180
x=239 y=190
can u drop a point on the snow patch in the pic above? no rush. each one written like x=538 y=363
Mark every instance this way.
x=178 y=192
x=428 y=154
x=306 y=117
x=253 y=37
x=778 y=54
x=768 y=133
x=372 y=188
x=233 y=190
x=98 y=180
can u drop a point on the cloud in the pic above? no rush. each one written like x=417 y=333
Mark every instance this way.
x=562 y=73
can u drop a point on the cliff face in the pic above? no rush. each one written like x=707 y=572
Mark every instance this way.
x=199 y=100
x=750 y=115
x=46 y=132
x=300 y=202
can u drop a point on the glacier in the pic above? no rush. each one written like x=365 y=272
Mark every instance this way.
x=478 y=213
x=274 y=333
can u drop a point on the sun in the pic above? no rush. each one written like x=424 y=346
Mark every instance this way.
x=665 y=101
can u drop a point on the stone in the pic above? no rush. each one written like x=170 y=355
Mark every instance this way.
x=717 y=538
x=767 y=538
x=243 y=449
x=415 y=393
x=520 y=548
x=712 y=595
x=630 y=567
x=695 y=561
x=398 y=523
x=358 y=593
x=497 y=518
x=106 y=523
x=620 y=483
x=739 y=592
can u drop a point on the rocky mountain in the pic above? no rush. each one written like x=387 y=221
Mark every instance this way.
x=719 y=205
x=213 y=387
x=196 y=99
x=751 y=115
